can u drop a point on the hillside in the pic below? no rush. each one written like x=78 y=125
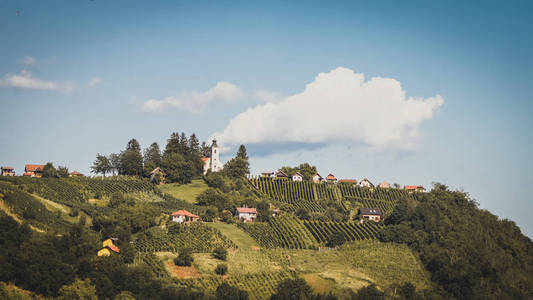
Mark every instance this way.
x=407 y=253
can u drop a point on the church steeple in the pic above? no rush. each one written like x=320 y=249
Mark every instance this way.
x=215 y=160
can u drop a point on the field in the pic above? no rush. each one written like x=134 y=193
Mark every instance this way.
x=187 y=192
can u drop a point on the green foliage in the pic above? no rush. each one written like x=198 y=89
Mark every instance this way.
x=227 y=292
x=79 y=289
x=101 y=165
x=221 y=269
x=469 y=252
x=352 y=231
x=336 y=239
x=220 y=253
x=177 y=168
x=216 y=198
x=184 y=258
x=131 y=160
x=293 y=289
x=49 y=170
x=151 y=159
x=305 y=169
x=369 y=292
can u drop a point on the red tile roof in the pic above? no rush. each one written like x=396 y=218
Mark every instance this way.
x=331 y=177
x=413 y=187
x=76 y=173
x=113 y=248
x=27 y=174
x=183 y=212
x=248 y=210
x=204 y=159
x=33 y=168
x=347 y=181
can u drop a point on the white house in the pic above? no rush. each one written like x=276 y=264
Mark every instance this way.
x=317 y=178
x=213 y=162
x=366 y=183
x=297 y=177
x=183 y=216
x=246 y=213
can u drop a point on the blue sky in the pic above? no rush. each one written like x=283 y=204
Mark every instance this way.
x=76 y=77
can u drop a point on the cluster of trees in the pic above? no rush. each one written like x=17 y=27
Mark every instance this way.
x=469 y=252
x=180 y=161
x=52 y=172
x=305 y=169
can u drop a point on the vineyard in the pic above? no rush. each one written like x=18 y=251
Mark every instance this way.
x=285 y=231
x=197 y=237
x=321 y=231
x=153 y=262
x=385 y=206
x=259 y=286
x=371 y=193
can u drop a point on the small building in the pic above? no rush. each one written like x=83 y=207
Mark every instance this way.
x=348 y=181
x=33 y=170
x=281 y=174
x=366 y=183
x=384 y=185
x=317 y=178
x=414 y=188
x=107 y=250
x=108 y=247
x=275 y=210
x=212 y=163
x=297 y=177
x=372 y=214
x=75 y=174
x=331 y=178
x=8 y=171
x=246 y=213
x=183 y=216
x=268 y=174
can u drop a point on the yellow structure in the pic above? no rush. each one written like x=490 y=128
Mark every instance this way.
x=104 y=252
x=107 y=247
x=107 y=242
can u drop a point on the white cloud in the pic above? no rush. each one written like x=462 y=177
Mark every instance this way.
x=25 y=80
x=94 y=81
x=268 y=96
x=29 y=60
x=337 y=107
x=195 y=101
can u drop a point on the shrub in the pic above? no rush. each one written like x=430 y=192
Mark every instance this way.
x=220 y=253
x=184 y=258
x=221 y=269
x=336 y=239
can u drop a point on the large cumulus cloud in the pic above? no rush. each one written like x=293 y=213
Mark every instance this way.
x=337 y=107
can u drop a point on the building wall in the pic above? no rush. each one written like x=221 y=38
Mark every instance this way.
x=104 y=252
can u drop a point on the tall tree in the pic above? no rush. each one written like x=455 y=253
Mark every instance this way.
x=205 y=150
x=114 y=161
x=131 y=160
x=183 y=145
x=239 y=165
x=194 y=144
x=152 y=158
x=241 y=153
x=49 y=170
x=177 y=169
x=173 y=144
x=101 y=165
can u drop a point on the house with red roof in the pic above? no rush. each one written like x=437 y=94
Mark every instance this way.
x=246 y=213
x=8 y=171
x=33 y=170
x=414 y=188
x=75 y=174
x=331 y=178
x=348 y=181
x=183 y=216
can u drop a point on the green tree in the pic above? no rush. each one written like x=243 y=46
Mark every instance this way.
x=184 y=258
x=177 y=169
x=131 y=161
x=369 y=292
x=221 y=269
x=183 y=148
x=101 y=165
x=49 y=170
x=173 y=144
x=78 y=290
x=220 y=253
x=124 y=295
x=241 y=153
x=62 y=171
x=227 y=292
x=152 y=158
x=336 y=239
x=114 y=163
x=293 y=289
x=194 y=144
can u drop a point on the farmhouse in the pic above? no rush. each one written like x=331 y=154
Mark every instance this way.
x=331 y=178
x=246 y=214
x=183 y=216
x=33 y=170
x=414 y=188
x=8 y=171
x=281 y=174
x=212 y=163
x=297 y=177
x=384 y=185
x=317 y=178
x=108 y=247
x=348 y=181
x=366 y=183
x=372 y=214
x=268 y=174
x=75 y=174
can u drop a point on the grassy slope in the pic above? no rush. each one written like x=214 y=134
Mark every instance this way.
x=187 y=192
x=237 y=235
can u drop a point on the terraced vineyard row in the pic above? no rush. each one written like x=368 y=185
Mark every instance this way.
x=258 y=286
x=285 y=231
x=385 y=206
x=197 y=236
x=290 y=191
x=153 y=262
x=115 y=184
x=321 y=231
x=375 y=193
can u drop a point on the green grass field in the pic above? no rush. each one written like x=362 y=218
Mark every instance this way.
x=237 y=235
x=187 y=192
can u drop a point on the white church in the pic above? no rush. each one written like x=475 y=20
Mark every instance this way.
x=213 y=162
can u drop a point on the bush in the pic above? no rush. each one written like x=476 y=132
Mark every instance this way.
x=221 y=269
x=336 y=239
x=220 y=253
x=184 y=259
x=227 y=292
